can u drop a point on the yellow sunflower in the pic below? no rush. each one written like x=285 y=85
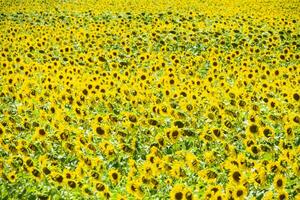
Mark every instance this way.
x=114 y=176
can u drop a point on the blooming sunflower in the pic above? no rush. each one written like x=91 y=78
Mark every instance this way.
x=178 y=192
x=114 y=176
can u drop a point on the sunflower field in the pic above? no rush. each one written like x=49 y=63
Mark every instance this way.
x=150 y=99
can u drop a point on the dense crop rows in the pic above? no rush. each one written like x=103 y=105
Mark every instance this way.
x=137 y=100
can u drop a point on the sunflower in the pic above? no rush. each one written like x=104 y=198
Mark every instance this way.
x=279 y=182
x=188 y=194
x=133 y=187
x=240 y=192
x=68 y=174
x=208 y=175
x=86 y=190
x=178 y=192
x=149 y=169
x=160 y=139
x=40 y=134
x=282 y=195
x=254 y=129
x=236 y=176
x=173 y=134
x=268 y=195
x=289 y=131
x=114 y=176
x=100 y=187
x=209 y=156
x=36 y=174
x=192 y=161
x=43 y=160
x=268 y=132
x=29 y=163
x=177 y=170
x=57 y=178
x=101 y=130
x=219 y=196
x=12 y=176
x=274 y=167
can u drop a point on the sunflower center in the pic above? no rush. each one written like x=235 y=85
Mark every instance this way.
x=115 y=176
x=236 y=176
x=279 y=183
x=253 y=128
x=178 y=195
x=100 y=131
x=239 y=193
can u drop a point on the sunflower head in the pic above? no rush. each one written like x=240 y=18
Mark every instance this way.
x=114 y=176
